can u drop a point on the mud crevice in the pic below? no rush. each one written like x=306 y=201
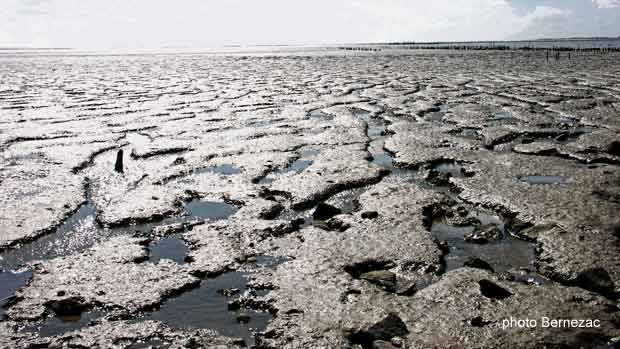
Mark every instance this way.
x=160 y=152
x=91 y=159
x=337 y=188
x=15 y=140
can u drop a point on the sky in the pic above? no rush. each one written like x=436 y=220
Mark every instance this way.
x=213 y=23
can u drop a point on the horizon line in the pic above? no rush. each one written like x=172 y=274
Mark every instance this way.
x=573 y=38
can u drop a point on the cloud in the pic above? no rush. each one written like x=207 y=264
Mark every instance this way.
x=451 y=20
x=207 y=23
x=606 y=3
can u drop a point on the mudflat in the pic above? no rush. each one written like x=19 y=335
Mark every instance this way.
x=390 y=199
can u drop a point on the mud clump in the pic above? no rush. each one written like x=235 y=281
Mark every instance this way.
x=356 y=270
x=370 y=214
x=382 y=278
x=391 y=327
x=271 y=212
x=324 y=211
x=72 y=306
x=597 y=280
x=484 y=234
x=474 y=262
x=614 y=148
x=490 y=289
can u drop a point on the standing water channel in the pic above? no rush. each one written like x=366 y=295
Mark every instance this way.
x=81 y=231
x=465 y=238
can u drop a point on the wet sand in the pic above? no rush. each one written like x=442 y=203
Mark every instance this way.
x=395 y=199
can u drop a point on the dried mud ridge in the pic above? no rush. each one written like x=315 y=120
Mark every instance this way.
x=355 y=201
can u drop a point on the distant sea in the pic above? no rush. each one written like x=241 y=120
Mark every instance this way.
x=577 y=43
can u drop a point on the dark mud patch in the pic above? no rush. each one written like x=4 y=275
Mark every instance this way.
x=492 y=290
x=212 y=306
x=357 y=269
x=380 y=335
x=375 y=272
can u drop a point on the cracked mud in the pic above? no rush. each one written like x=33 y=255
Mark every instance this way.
x=361 y=200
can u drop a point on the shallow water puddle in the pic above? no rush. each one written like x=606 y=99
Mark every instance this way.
x=223 y=169
x=55 y=326
x=437 y=113
x=298 y=166
x=377 y=132
x=503 y=115
x=376 y=127
x=504 y=254
x=75 y=234
x=80 y=232
x=347 y=201
x=172 y=248
x=552 y=135
x=544 y=180
x=309 y=153
x=10 y=282
x=453 y=168
x=214 y=305
x=208 y=307
x=572 y=135
x=270 y=261
x=318 y=113
x=467 y=132
x=208 y=210
x=504 y=147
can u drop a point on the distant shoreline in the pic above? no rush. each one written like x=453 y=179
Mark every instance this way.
x=490 y=41
x=391 y=43
x=35 y=48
